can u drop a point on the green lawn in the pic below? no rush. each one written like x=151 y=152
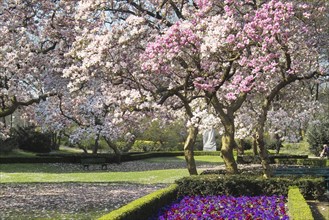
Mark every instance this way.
x=30 y=173
x=144 y=177
x=56 y=173
x=296 y=148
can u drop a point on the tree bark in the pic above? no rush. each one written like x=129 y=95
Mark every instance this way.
x=55 y=140
x=226 y=114
x=254 y=145
x=15 y=104
x=228 y=144
x=263 y=154
x=83 y=148
x=262 y=119
x=259 y=137
x=189 y=150
x=96 y=145
x=241 y=147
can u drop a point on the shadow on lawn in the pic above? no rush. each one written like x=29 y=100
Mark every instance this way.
x=320 y=209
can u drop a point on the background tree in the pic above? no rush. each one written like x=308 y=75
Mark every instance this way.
x=35 y=36
x=317 y=134
x=121 y=66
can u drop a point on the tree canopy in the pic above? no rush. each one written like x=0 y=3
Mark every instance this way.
x=100 y=67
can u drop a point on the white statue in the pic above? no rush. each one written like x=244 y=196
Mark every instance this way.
x=209 y=140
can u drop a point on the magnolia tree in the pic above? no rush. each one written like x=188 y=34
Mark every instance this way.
x=231 y=49
x=113 y=52
x=173 y=54
x=35 y=36
x=215 y=51
x=293 y=108
x=300 y=59
x=96 y=111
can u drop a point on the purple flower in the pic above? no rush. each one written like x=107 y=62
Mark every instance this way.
x=226 y=207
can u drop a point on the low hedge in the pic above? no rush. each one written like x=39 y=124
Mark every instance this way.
x=237 y=185
x=5 y=160
x=140 y=156
x=314 y=162
x=140 y=208
x=297 y=206
x=57 y=158
x=245 y=159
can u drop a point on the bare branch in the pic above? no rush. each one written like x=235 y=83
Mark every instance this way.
x=16 y=104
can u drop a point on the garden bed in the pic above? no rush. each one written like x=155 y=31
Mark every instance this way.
x=196 y=189
x=226 y=207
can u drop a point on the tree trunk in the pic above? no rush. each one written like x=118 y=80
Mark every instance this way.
x=228 y=144
x=189 y=150
x=263 y=154
x=278 y=143
x=82 y=148
x=226 y=115
x=254 y=145
x=55 y=140
x=95 y=148
x=241 y=147
x=59 y=139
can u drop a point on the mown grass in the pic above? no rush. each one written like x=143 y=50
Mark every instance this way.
x=142 y=177
x=31 y=173
x=59 y=173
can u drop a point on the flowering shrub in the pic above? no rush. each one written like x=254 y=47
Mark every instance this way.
x=226 y=207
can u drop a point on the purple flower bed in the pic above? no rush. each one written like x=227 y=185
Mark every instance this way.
x=226 y=207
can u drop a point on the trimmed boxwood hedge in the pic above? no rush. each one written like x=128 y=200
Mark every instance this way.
x=142 y=208
x=297 y=205
x=237 y=185
x=140 y=156
x=57 y=158
x=314 y=162
x=245 y=159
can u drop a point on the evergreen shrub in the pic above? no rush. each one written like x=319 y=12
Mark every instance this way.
x=318 y=134
x=144 y=207
x=313 y=162
x=238 y=185
x=29 y=139
x=8 y=145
